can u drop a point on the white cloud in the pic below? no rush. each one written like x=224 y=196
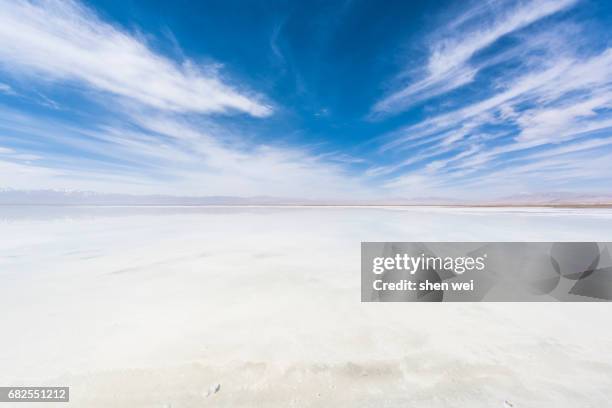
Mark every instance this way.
x=169 y=155
x=63 y=40
x=576 y=168
x=547 y=116
x=557 y=123
x=528 y=132
x=566 y=88
x=6 y=89
x=449 y=64
x=151 y=146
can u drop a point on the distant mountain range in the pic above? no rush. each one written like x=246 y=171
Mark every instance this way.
x=61 y=197
x=557 y=198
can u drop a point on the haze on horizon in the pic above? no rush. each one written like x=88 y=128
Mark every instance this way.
x=316 y=100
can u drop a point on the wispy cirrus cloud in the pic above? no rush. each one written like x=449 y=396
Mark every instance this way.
x=549 y=120
x=449 y=64
x=159 y=153
x=154 y=143
x=557 y=92
x=62 y=40
x=537 y=113
x=6 y=89
x=577 y=166
x=547 y=124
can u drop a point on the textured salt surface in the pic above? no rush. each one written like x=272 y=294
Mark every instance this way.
x=142 y=307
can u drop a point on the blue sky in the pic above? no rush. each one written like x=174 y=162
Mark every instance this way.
x=318 y=99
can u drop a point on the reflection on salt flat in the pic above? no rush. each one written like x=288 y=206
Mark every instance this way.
x=158 y=303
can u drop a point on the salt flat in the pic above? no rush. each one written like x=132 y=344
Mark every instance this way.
x=151 y=306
